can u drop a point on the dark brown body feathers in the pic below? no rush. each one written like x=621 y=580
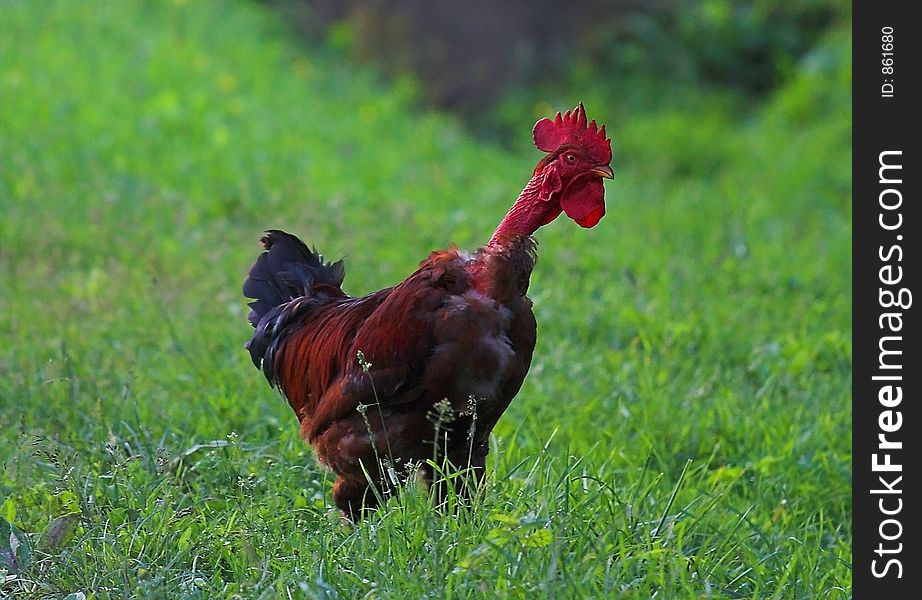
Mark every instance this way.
x=460 y=329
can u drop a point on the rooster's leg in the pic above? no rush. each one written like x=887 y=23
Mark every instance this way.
x=474 y=463
x=353 y=497
x=470 y=464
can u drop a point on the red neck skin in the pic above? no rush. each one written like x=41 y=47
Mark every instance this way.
x=528 y=213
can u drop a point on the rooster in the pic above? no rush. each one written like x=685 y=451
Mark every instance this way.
x=422 y=370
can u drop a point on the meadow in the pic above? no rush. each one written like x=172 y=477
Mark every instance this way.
x=684 y=431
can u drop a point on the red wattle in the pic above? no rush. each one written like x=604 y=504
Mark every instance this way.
x=592 y=219
x=584 y=201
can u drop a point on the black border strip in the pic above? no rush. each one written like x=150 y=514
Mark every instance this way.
x=883 y=122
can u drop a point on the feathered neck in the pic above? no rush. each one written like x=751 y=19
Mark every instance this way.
x=529 y=212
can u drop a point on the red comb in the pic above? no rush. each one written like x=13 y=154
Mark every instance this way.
x=571 y=128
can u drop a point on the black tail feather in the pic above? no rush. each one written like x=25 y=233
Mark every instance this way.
x=286 y=271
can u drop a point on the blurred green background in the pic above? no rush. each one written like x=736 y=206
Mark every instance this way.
x=144 y=145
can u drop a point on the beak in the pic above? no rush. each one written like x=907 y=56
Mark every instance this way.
x=603 y=171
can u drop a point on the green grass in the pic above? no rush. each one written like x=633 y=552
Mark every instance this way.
x=684 y=430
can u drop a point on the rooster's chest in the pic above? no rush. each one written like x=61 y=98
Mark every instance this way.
x=474 y=352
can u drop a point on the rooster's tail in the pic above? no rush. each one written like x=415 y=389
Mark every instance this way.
x=285 y=281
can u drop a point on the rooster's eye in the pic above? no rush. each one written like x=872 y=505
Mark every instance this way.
x=571 y=158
